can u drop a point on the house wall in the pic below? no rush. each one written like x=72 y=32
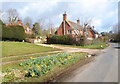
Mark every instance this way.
x=81 y=32
x=67 y=27
x=60 y=29
x=91 y=34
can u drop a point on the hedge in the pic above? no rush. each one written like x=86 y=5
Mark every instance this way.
x=70 y=40
x=16 y=33
x=57 y=39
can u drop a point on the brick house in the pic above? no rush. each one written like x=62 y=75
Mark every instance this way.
x=19 y=22
x=75 y=29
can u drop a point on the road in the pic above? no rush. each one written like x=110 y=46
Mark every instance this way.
x=103 y=69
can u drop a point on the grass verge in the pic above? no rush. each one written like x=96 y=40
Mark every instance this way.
x=21 y=48
x=25 y=57
x=94 y=46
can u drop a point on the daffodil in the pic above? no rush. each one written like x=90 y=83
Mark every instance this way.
x=31 y=58
x=37 y=65
x=65 y=59
x=45 y=65
x=69 y=57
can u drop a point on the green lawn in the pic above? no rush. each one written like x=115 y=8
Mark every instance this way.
x=20 y=48
x=25 y=57
x=94 y=46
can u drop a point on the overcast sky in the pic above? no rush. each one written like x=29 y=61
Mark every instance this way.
x=104 y=13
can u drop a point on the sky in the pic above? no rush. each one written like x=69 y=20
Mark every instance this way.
x=103 y=13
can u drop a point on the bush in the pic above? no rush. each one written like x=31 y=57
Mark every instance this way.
x=30 y=36
x=70 y=40
x=57 y=39
x=115 y=37
x=13 y=33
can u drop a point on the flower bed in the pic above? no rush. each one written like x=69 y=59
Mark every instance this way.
x=42 y=65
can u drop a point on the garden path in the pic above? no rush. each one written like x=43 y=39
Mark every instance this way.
x=70 y=49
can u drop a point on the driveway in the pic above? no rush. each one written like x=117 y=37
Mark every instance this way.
x=103 y=69
x=71 y=49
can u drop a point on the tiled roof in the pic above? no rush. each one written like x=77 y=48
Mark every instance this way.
x=93 y=30
x=75 y=25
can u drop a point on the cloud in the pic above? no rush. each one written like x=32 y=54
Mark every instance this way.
x=102 y=11
x=97 y=22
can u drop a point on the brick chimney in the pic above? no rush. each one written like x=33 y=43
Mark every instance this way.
x=19 y=22
x=64 y=16
x=78 y=21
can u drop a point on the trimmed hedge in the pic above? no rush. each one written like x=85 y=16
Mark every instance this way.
x=57 y=39
x=70 y=40
x=13 y=33
x=30 y=36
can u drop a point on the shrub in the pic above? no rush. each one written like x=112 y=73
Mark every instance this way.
x=70 y=40
x=16 y=33
x=30 y=36
x=57 y=39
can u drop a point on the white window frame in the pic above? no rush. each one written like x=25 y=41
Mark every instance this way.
x=69 y=31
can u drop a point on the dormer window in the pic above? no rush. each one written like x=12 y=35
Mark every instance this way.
x=68 y=31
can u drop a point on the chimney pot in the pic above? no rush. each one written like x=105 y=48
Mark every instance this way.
x=64 y=16
x=78 y=21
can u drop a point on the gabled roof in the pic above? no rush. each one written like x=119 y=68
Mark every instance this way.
x=74 y=25
x=93 y=30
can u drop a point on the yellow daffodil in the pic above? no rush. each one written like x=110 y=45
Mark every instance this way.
x=31 y=58
x=37 y=65
x=69 y=57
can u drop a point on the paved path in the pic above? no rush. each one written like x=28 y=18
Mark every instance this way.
x=104 y=69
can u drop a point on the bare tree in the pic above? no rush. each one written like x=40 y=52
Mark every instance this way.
x=27 y=21
x=51 y=29
x=41 y=22
x=12 y=14
x=86 y=20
